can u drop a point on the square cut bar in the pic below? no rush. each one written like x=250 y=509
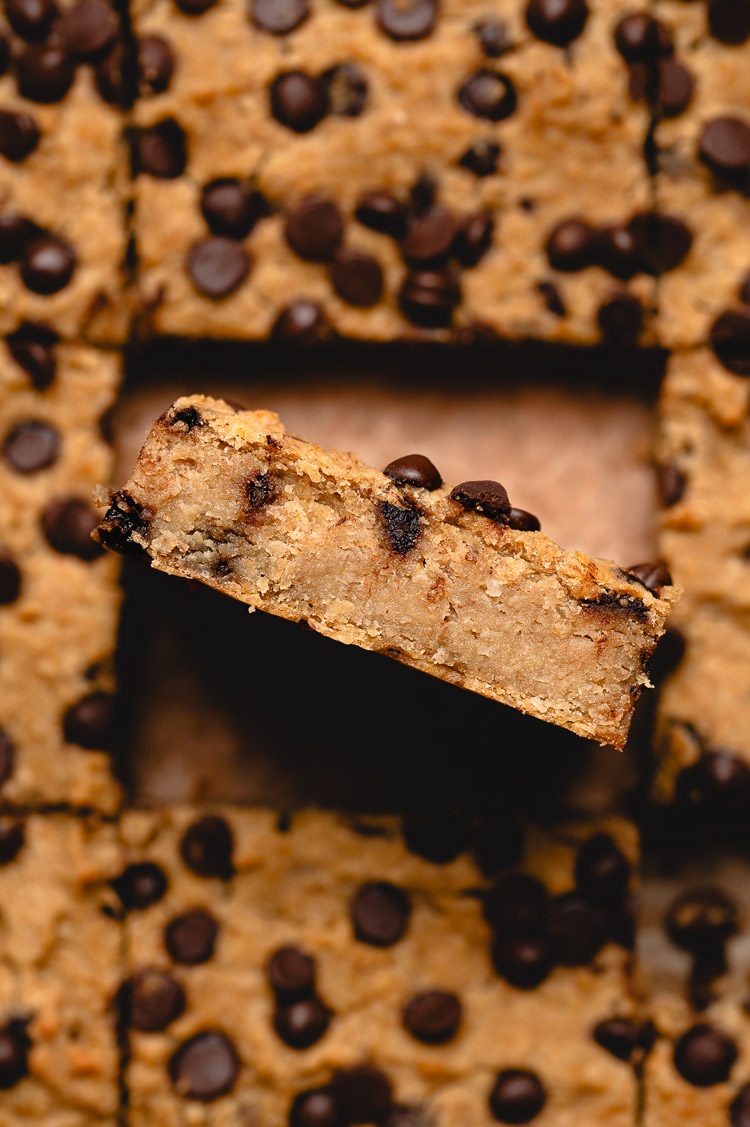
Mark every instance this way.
x=279 y=964
x=229 y=498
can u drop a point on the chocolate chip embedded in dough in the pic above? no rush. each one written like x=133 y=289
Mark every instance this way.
x=347 y=89
x=298 y=101
x=618 y=1035
x=704 y=1056
x=156 y=63
x=729 y=22
x=430 y=236
x=406 y=20
x=10 y=579
x=481 y=158
x=618 y=250
x=494 y=37
x=438 y=837
x=522 y=521
x=12 y=839
x=315 y=1107
x=652 y=575
x=302 y=322
x=47 y=265
x=44 y=73
x=19 y=135
x=314 y=229
x=382 y=211
x=90 y=722
x=640 y=38
x=572 y=245
x=428 y=297
x=291 y=973
x=553 y=300
x=401 y=526
x=517 y=1096
x=602 y=872
x=517 y=905
x=487 y=497
x=362 y=1093
x=300 y=1024
x=140 y=885
x=31 y=19
x=89 y=27
x=279 y=17
x=15 y=232
x=488 y=94
x=672 y=482
x=14 y=1053
x=218 y=266
x=664 y=241
x=230 y=208
x=357 y=277
x=204 y=1067
x=151 y=1000
x=620 y=319
x=161 y=151
x=206 y=847
x=725 y=146
x=67 y=525
x=729 y=338
x=700 y=919
x=31 y=446
x=380 y=913
x=414 y=469
x=474 y=238
x=576 y=928
x=32 y=346
x=675 y=87
x=191 y=938
x=557 y=21
x=433 y=1017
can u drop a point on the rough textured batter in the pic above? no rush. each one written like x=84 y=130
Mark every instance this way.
x=227 y=497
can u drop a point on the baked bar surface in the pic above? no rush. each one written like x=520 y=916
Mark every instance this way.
x=59 y=595
x=285 y=965
x=60 y=958
x=439 y=579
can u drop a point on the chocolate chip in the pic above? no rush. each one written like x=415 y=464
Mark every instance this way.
x=259 y=491
x=151 y=1000
x=619 y=1036
x=675 y=87
x=347 y=90
x=14 y=1053
x=362 y=1093
x=7 y=757
x=229 y=208
x=279 y=17
x=67 y=525
x=651 y=575
x=298 y=101
x=206 y=847
x=428 y=297
x=31 y=19
x=380 y=913
x=494 y=37
x=517 y=1096
x=576 y=929
x=155 y=65
x=291 y=973
x=12 y=837
x=10 y=580
x=440 y=839
x=729 y=21
x=161 y=151
x=522 y=521
x=618 y=251
x=669 y=652
x=640 y=38
x=602 y=872
x=191 y=937
x=194 y=7
x=523 y=961
x=123 y=520
x=672 y=482
x=552 y=298
x=725 y=146
x=32 y=348
x=302 y=322
x=300 y=1024
x=44 y=73
x=89 y=27
x=90 y=722
x=739 y=1109
x=356 y=277
x=31 y=446
x=314 y=229
x=474 y=238
x=204 y=1067
x=701 y=919
x=556 y=21
x=572 y=246
x=406 y=20
x=481 y=158
x=140 y=885
x=430 y=237
x=498 y=844
x=218 y=266
x=703 y=1056
x=189 y=416
x=423 y=193
x=15 y=232
x=47 y=265
x=486 y=497
x=517 y=905
x=719 y=779
x=620 y=319
x=401 y=526
x=383 y=212
x=729 y=338
x=19 y=135
x=414 y=469
x=664 y=241
x=315 y=1108
x=488 y=94
x=433 y=1017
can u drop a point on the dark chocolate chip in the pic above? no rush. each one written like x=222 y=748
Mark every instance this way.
x=572 y=246
x=230 y=209
x=151 y=1000
x=488 y=94
x=291 y=974
x=620 y=1036
x=346 y=88
x=383 y=212
x=407 y=20
x=672 y=482
x=481 y=158
x=517 y=905
x=640 y=38
x=206 y=847
x=433 y=1017
x=651 y=575
x=718 y=778
x=576 y=929
x=302 y=322
x=31 y=19
x=12 y=837
x=675 y=87
x=32 y=348
x=161 y=151
x=729 y=21
x=10 y=580
x=156 y=64
x=47 y=265
x=194 y=7
x=552 y=298
x=702 y=919
x=140 y=885
x=218 y=266
x=486 y=497
x=618 y=250
x=602 y=872
x=67 y=525
x=109 y=80
x=15 y=232
x=362 y=1093
x=517 y=1096
x=314 y=229
x=300 y=1024
x=90 y=722
x=428 y=297
x=204 y=1067
x=356 y=277
x=498 y=844
x=725 y=145
x=190 y=416
x=14 y=1053
x=259 y=491
x=474 y=238
x=430 y=236
x=19 y=135
x=414 y=469
x=620 y=319
x=557 y=21
x=523 y=521
x=279 y=17
x=664 y=241
x=191 y=937
x=7 y=757
x=669 y=652
x=123 y=519
x=729 y=338
x=31 y=446
x=739 y=1109
x=423 y=193
x=437 y=838
x=401 y=526
x=380 y=913
x=494 y=37
x=298 y=101
x=89 y=27
x=703 y=1056
x=44 y=73
x=315 y=1108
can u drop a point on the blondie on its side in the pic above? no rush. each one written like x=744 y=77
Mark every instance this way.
x=454 y=582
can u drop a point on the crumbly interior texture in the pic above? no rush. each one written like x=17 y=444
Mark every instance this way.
x=60 y=967
x=229 y=498
x=59 y=600
x=294 y=883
